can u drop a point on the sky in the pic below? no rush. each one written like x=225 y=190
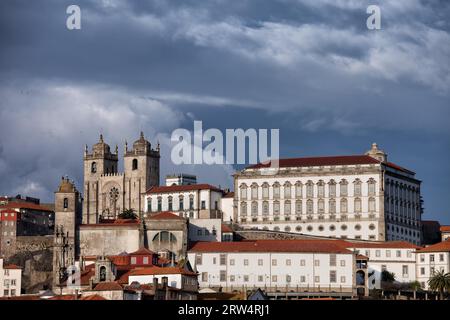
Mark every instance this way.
x=310 y=68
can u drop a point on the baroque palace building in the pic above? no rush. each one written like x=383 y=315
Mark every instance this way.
x=356 y=197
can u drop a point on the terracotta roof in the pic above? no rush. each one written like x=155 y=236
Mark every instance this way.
x=8 y=211
x=229 y=195
x=321 y=161
x=180 y=188
x=93 y=297
x=108 y=286
x=22 y=297
x=330 y=161
x=142 y=252
x=445 y=228
x=11 y=266
x=443 y=246
x=63 y=297
x=386 y=244
x=160 y=271
x=361 y=257
x=24 y=205
x=165 y=215
x=319 y=246
x=226 y=229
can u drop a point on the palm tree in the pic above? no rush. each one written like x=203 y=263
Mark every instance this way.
x=440 y=282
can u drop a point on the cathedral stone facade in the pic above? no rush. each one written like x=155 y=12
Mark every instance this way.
x=108 y=192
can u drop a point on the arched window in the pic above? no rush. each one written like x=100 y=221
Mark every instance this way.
x=265 y=208
x=287 y=190
x=357 y=188
x=321 y=206
x=310 y=189
x=358 y=205
x=170 y=200
x=371 y=185
x=94 y=167
x=332 y=188
x=321 y=189
x=344 y=206
x=309 y=207
x=254 y=188
x=243 y=189
x=332 y=206
x=102 y=273
x=287 y=207
x=66 y=203
x=254 y=209
x=276 y=190
x=135 y=164
x=243 y=208
x=372 y=206
x=276 y=208
x=298 y=207
x=265 y=190
x=159 y=204
x=181 y=203
x=164 y=236
x=298 y=189
x=344 y=187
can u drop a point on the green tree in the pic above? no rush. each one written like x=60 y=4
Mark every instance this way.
x=387 y=276
x=128 y=214
x=440 y=282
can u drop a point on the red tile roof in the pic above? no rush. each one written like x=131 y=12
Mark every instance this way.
x=160 y=271
x=330 y=161
x=24 y=205
x=229 y=195
x=386 y=244
x=226 y=229
x=108 y=286
x=445 y=228
x=142 y=252
x=443 y=246
x=11 y=266
x=181 y=188
x=165 y=215
x=319 y=246
x=93 y=297
x=63 y=297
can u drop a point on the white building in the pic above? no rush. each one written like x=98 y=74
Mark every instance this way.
x=227 y=205
x=431 y=259
x=180 y=179
x=279 y=266
x=10 y=280
x=397 y=257
x=355 y=197
x=198 y=201
x=205 y=230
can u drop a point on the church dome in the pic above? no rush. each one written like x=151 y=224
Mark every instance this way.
x=101 y=147
x=66 y=186
x=141 y=144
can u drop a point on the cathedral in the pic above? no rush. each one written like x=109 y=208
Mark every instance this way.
x=108 y=192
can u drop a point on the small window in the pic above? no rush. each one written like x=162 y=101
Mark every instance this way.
x=135 y=164
x=94 y=167
x=66 y=203
x=203 y=204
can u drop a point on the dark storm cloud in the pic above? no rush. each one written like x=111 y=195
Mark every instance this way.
x=308 y=67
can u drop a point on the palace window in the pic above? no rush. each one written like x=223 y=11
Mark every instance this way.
x=321 y=206
x=191 y=202
x=265 y=190
x=159 y=204
x=332 y=188
x=372 y=207
x=170 y=207
x=358 y=205
x=254 y=189
x=276 y=190
x=321 y=189
x=298 y=189
x=265 y=208
x=371 y=185
x=357 y=188
x=344 y=205
x=243 y=191
x=332 y=276
x=332 y=205
x=181 y=203
x=287 y=207
x=298 y=207
x=287 y=190
x=310 y=189
x=254 y=208
x=344 y=188
x=276 y=208
x=243 y=208
x=309 y=207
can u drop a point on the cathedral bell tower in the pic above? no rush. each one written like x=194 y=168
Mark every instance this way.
x=96 y=164
x=141 y=165
x=67 y=220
